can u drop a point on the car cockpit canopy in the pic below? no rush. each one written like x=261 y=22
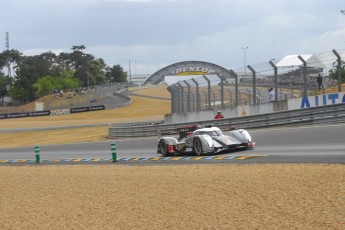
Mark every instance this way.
x=212 y=132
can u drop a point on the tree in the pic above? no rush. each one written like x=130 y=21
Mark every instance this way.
x=333 y=73
x=20 y=93
x=44 y=64
x=3 y=88
x=81 y=64
x=38 y=75
x=116 y=74
x=66 y=81
x=47 y=84
x=67 y=74
x=5 y=82
x=9 y=58
x=44 y=86
x=78 y=48
x=64 y=62
x=29 y=70
x=96 y=72
x=25 y=77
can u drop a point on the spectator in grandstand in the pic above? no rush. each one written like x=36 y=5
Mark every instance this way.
x=219 y=115
x=319 y=82
x=271 y=95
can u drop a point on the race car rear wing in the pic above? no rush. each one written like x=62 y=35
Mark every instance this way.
x=184 y=131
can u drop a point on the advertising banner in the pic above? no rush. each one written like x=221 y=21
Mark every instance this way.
x=317 y=100
x=26 y=114
x=87 y=109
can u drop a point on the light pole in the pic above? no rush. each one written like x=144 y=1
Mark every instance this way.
x=245 y=59
x=87 y=75
x=86 y=56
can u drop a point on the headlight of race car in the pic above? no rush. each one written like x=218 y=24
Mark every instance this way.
x=246 y=135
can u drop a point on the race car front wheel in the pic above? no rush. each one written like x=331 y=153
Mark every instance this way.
x=197 y=147
x=163 y=147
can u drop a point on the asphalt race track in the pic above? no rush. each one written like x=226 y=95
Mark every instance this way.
x=309 y=144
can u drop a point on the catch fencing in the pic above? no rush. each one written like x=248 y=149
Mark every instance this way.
x=290 y=77
x=108 y=95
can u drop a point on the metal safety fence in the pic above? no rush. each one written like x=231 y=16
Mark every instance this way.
x=289 y=77
x=310 y=116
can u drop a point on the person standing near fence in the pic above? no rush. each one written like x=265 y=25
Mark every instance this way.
x=219 y=115
x=271 y=95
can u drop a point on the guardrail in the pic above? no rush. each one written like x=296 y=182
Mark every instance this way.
x=309 y=116
x=126 y=103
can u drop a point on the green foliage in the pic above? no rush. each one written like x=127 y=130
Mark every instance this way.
x=67 y=74
x=35 y=76
x=44 y=86
x=9 y=57
x=27 y=73
x=333 y=73
x=78 y=48
x=19 y=92
x=4 y=83
x=47 y=84
x=116 y=74
x=68 y=83
x=96 y=71
x=3 y=89
x=91 y=71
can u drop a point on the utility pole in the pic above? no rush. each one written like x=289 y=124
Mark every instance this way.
x=130 y=74
x=245 y=59
x=7 y=42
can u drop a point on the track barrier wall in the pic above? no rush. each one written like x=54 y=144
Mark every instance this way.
x=309 y=116
x=52 y=112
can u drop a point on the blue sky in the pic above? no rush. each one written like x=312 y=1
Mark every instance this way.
x=156 y=33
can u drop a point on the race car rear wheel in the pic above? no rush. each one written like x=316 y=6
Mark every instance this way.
x=197 y=147
x=163 y=147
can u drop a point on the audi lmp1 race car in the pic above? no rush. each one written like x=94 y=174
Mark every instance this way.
x=204 y=140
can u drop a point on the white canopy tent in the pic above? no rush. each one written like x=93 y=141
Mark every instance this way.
x=293 y=60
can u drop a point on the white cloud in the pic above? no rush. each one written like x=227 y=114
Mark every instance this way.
x=154 y=33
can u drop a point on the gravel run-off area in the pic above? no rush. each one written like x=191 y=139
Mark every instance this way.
x=193 y=196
